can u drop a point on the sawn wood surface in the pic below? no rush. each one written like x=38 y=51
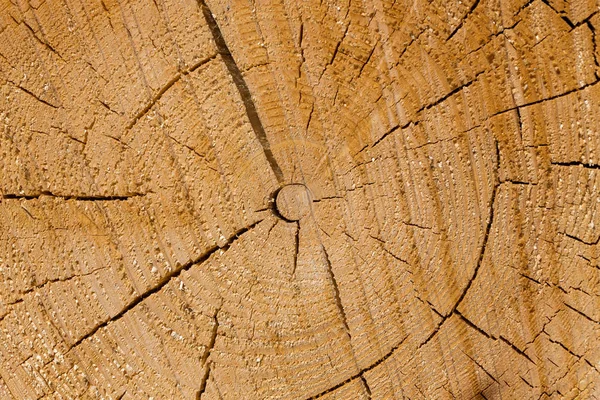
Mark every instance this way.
x=299 y=199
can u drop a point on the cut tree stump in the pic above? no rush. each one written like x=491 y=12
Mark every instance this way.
x=299 y=199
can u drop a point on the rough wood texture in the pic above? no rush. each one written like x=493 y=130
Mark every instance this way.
x=447 y=246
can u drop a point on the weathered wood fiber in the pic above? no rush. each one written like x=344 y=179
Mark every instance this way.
x=299 y=199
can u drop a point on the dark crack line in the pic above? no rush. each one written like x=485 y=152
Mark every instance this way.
x=532 y=103
x=336 y=292
x=193 y=150
x=386 y=134
x=56 y=280
x=486 y=236
x=462 y=21
x=582 y=313
x=206 y=355
x=204 y=381
x=242 y=88
x=571 y=352
x=516 y=349
x=337 y=47
x=360 y=373
x=42 y=42
x=107 y=107
x=575 y=164
x=550 y=98
x=71 y=197
x=30 y=93
x=473 y=326
x=489 y=336
x=450 y=94
x=527 y=383
x=173 y=274
x=561 y=14
x=594 y=44
x=367 y=61
x=595 y=242
x=481 y=367
x=297 y=249
x=578 y=357
x=213 y=337
x=515 y=182
x=435 y=330
x=366 y=386
x=10 y=308
x=164 y=89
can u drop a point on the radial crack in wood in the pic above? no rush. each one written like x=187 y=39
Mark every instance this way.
x=298 y=200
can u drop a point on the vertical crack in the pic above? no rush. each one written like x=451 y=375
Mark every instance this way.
x=486 y=235
x=360 y=374
x=203 y=382
x=297 y=249
x=484 y=243
x=207 y=365
x=336 y=292
x=242 y=88
x=594 y=45
x=213 y=337
x=366 y=386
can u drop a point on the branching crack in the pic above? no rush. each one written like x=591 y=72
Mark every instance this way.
x=489 y=336
x=242 y=88
x=170 y=276
x=361 y=372
x=486 y=236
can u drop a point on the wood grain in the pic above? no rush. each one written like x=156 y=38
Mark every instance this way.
x=278 y=199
